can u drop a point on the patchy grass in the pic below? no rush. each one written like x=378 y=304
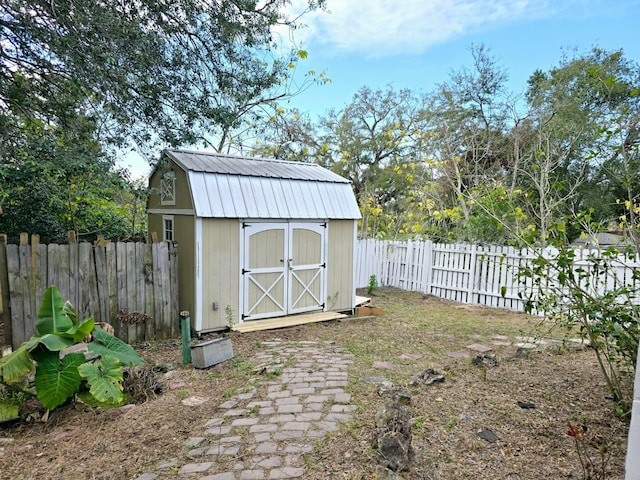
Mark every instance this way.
x=414 y=334
x=564 y=384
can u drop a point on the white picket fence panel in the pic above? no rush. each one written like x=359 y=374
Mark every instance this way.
x=481 y=275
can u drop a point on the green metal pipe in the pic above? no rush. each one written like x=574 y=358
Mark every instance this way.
x=185 y=328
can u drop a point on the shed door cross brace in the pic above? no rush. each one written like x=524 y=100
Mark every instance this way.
x=266 y=293
x=306 y=288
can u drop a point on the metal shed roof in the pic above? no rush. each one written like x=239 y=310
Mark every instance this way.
x=226 y=186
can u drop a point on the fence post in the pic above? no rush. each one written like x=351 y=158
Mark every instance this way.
x=185 y=327
x=633 y=440
x=29 y=311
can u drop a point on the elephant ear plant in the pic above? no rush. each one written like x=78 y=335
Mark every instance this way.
x=58 y=374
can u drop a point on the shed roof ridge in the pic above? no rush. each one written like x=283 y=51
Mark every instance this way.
x=241 y=157
x=249 y=175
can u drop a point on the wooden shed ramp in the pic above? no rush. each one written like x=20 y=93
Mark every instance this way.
x=362 y=300
x=289 y=321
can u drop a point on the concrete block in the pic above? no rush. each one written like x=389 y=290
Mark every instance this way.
x=211 y=353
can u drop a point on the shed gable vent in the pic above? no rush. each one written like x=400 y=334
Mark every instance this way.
x=168 y=189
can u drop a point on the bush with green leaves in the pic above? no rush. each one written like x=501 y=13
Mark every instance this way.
x=59 y=373
x=372 y=286
x=596 y=296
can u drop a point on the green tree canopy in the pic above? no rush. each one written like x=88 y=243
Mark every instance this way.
x=57 y=179
x=375 y=142
x=171 y=72
x=583 y=146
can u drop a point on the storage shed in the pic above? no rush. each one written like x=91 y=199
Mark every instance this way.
x=257 y=238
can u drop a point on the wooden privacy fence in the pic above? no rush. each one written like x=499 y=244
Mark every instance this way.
x=132 y=286
x=482 y=275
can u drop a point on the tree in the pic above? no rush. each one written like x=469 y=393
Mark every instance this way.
x=568 y=152
x=467 y=129
x=291 y=135
x=56 y=177
x=177 y=73
x=583 y=171
x=488 y=166
x=376 y=143
x=584 y=122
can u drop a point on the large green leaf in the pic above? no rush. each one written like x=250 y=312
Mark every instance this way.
x=105 y=379
x=51 y=341
x=16 y=364
x=105 y=344
x=57 y=380
x=80 y=330
x=53 y=315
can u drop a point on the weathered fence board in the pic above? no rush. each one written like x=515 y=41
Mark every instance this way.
x=100 y=258
x=112 y=279
x=147 y=259
x=484 y=275
x=15 y=293
x=4 y=291
x=133 y=286
x=172 y=307
x=129 y=286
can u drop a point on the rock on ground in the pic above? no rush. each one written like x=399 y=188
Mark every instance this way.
x=392 y=436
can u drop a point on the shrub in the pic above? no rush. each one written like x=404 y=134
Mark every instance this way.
x=595 y=296
x=58 y=374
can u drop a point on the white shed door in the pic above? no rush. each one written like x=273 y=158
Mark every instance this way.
x=283 y=269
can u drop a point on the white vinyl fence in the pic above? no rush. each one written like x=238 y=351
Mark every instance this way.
x=482 y=275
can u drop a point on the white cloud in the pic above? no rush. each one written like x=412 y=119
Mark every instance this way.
x=387 y=27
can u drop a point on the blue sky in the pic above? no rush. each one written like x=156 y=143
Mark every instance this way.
x=416 y=44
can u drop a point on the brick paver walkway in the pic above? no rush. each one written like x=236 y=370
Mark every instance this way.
x=266 y=432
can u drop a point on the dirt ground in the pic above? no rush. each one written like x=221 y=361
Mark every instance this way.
x=562 y=382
